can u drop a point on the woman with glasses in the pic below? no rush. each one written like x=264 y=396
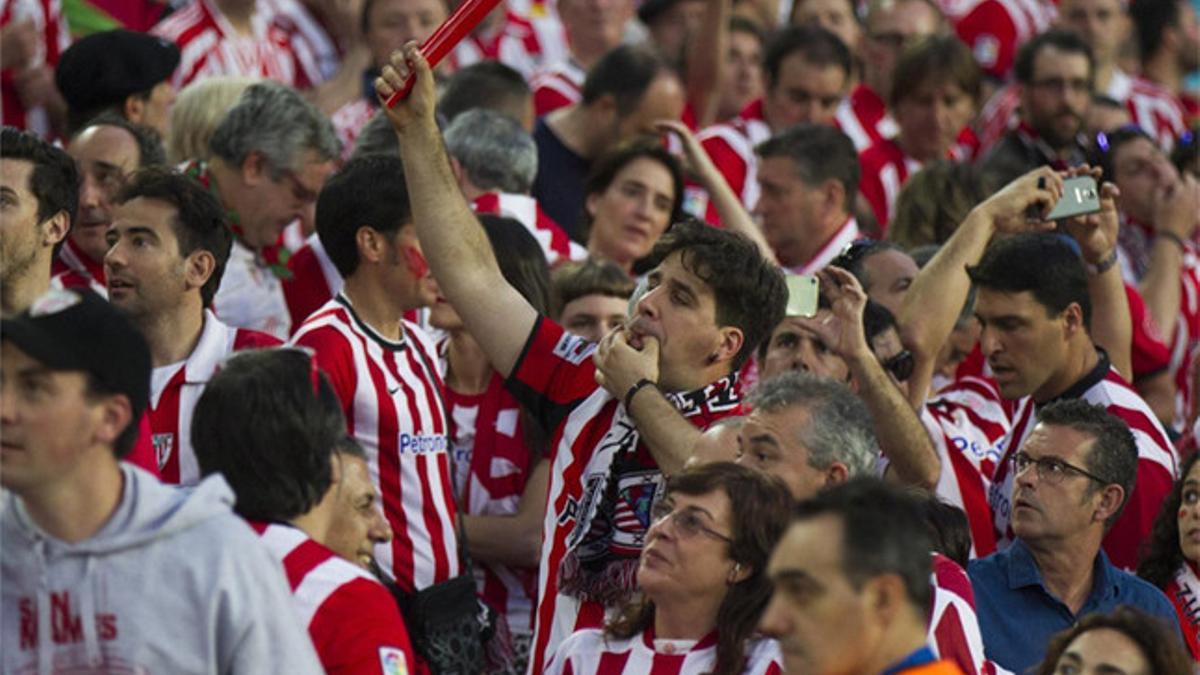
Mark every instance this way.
x=1172 y=554
x=703 y=566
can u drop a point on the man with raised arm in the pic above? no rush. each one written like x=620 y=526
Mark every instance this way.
x=667 y=374
x=1045 y=303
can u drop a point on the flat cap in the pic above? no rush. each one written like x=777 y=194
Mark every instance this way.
x=103 y=69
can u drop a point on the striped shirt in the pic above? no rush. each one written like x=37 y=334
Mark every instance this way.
x=315 y=279
x=520 y=43
x=176 y=388
x=1157 y=463
x=352 y=619
x=591 y=652
x=966 y=420
x=594 y=441
x=555 y=243
x=72 y=268
x=557 y=86
x=731 y=145
x=953 y=627
x=276 y=49
x=863 y=116
x=53 y=38
x=995 y=29
x=885 y=169
x=391 y=393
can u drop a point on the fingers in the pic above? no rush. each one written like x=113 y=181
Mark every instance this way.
x=671 y=126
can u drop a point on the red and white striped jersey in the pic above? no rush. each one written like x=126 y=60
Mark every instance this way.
x=492 y=464
x=53 y=39
x=594 y=441
x=349 y=120
x=591 y=652
x=1152 y=108
x=557 y=86
x=315 y=279
x=731 y=146
x=995 y=29
x=520 y=43
x=555 y=243
x=966 y=420
x=209 y=45
x=863 y=116
x=315 y=47
x=1133 y=246
x=953 y=627
x=176 y=388
x=352 y=619
x=1157 y=463
x=391 y=393
x=845 y=235
x=72 y=268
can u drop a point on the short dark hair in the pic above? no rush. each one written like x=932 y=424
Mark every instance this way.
x=269 y=423
x=1063 y=41
x=123 y=445
x=852 y=4
x=1150 y=19
x=1157 y=640
x=199 y=224
x=625 y=73
x=877 y=319
x=816 y=45
x=854 y=258
x=1043 y=263
x=521 y=259
x=947 y=526
x=882 y=533
x=350 y=446
x=819 y=153
x=741 y=24
x=367 y=190
x=606 y=167
x=149 y=143
x=1114 y=452
x=572 y=281
x=941 y=58
x=487 y=84
x=749 y=290
x=1104 y=151
x=54 y=180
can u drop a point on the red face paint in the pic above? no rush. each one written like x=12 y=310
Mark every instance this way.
x=1182 y=512
x=416 y=262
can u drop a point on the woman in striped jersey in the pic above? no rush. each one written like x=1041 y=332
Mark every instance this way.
x=703 y=566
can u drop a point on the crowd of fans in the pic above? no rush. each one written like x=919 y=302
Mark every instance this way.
x=671 y=337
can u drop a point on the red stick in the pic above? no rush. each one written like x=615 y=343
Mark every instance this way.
x=464 y=19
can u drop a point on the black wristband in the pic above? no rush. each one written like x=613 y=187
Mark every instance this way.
x=1104 y=265
x=644 y=382
x=1172 y=237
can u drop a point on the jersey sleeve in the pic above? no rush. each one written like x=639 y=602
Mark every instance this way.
x=334 y=357
x=554 y=373
x=359 y=631
x=1149 y=353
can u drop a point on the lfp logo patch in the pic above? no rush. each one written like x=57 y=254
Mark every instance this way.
x=392 y=661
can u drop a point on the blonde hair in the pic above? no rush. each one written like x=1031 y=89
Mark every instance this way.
x=198 y=111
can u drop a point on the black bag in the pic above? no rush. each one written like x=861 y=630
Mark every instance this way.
x=448 y=626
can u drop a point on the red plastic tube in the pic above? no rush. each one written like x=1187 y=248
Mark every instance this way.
x=456 y=26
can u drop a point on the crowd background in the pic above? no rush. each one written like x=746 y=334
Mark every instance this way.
x=680 y=336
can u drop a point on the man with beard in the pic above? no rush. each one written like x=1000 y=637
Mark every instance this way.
x=1055 y=78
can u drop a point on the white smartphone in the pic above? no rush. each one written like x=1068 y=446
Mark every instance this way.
x=1080 y=197
x=803 y=291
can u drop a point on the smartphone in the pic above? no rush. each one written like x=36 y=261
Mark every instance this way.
x=1080 y=197
x=803 y=290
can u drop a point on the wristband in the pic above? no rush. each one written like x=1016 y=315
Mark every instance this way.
x=1104 y=265
x=1174 y=238
x=644 y=382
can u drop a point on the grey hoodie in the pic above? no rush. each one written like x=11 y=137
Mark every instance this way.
x=173 y=583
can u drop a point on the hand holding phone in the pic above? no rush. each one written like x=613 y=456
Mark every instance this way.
x=1080 y=197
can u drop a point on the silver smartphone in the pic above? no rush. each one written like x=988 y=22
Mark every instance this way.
x=1080 y=197
x=803 y=290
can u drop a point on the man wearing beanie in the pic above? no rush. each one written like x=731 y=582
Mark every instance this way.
x=85 y=533
x=119 y=71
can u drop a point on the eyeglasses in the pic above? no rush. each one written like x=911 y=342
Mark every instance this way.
x=1050 y=469
x=854 y=253
x=686 y=521
x=901 y=365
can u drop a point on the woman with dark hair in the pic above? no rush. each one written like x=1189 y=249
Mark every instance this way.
x=703 y=566
x=1126 y=641
x=632 y=195
x=1172 y=553
x=500 y=477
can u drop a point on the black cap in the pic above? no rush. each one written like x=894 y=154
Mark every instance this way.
x=103 y=69
x=75 y=329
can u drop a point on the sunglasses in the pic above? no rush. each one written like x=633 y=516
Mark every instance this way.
x=900 y=365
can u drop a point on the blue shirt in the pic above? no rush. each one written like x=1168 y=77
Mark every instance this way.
x=559 y=185
x=1018 y=616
